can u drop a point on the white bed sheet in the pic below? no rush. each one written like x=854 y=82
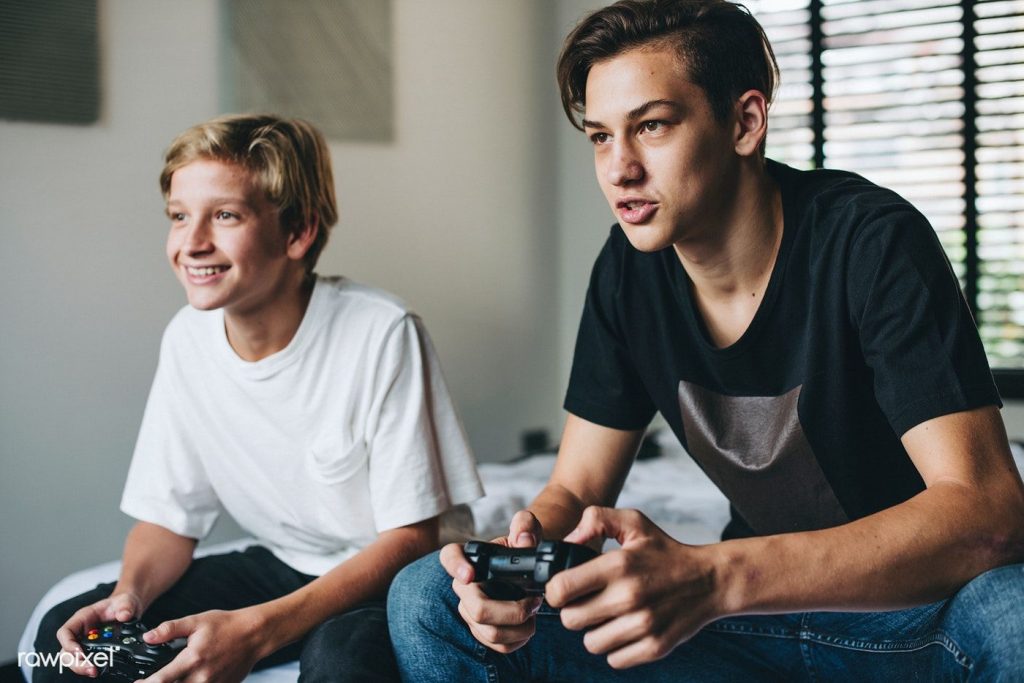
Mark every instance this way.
x=670 y=489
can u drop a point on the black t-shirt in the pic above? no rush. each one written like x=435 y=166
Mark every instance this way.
x=863 y=333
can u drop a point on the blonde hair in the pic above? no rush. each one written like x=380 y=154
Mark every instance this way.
x=288 y=157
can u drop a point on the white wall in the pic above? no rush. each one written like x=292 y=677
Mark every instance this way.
x=457 y=215
x=483 y=213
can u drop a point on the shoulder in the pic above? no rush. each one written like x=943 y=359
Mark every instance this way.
x=841 y=203
x=360 y=309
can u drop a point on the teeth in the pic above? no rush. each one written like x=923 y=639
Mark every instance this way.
x=208 y=270
x=634 y=205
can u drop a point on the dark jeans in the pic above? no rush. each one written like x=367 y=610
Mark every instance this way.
x=353 y=646
x=977 y=635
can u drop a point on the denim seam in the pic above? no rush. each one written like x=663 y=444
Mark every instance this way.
x=805 y=637
x=480 y=651
x=913 y=645
x=743 y=629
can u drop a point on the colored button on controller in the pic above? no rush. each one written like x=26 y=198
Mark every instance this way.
x=92 y=636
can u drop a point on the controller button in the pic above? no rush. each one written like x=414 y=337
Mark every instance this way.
x=108 y=634
x=129 y=640
x=93 y=636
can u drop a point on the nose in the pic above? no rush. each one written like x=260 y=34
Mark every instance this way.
x=624 y=167
x=198 y=237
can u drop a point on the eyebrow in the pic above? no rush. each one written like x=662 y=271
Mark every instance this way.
x=215 y=200
x=637 y=113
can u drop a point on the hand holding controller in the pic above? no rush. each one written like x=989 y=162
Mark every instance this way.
x=131 y=658
x=514 y=573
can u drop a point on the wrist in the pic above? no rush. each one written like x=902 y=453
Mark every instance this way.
x=261 y=629
x=726 y=568
x=138 y=598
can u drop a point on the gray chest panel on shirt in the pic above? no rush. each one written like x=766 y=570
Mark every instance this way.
x=755 y=450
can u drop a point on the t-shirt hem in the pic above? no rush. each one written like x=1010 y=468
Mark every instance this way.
x=438 y=505
x=152 y=514
x=945 y=403
x=604 y=415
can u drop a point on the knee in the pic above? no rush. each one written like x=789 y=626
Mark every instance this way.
x=988 y=616
x=421 y=599
x=46 y=636
x=350 y=646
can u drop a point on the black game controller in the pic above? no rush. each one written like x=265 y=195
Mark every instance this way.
x=514 y=573
x=130 y=657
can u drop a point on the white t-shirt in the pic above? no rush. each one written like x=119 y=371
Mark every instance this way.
x=346 y=432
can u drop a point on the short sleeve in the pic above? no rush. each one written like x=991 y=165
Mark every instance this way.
x=167 y=484
x=420 y=464
x=604 y=385
x=915 y=329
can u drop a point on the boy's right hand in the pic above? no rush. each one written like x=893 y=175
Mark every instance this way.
x=118 y=607
x=502 y=625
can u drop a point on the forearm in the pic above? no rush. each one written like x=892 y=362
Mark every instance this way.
x=913 y=553
x=154 y=559
x=558 y=510
x=592 y=465
x=362 y=578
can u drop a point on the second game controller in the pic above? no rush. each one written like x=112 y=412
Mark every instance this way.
x=514 y=573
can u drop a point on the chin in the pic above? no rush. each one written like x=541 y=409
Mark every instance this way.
x=647 y=238
x=202 y=303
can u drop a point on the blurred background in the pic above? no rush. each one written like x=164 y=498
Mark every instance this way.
x=462 y=188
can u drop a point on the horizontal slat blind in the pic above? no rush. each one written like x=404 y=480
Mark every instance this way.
x=788 y=26
x=999 y=57
x=894 y=103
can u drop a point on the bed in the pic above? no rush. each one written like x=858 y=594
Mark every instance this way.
x=669 y=488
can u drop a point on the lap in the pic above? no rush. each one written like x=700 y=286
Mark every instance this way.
x=353 y=646
x=975 y=633
x=227 y=581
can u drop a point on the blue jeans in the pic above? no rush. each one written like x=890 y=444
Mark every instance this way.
x=977 y=635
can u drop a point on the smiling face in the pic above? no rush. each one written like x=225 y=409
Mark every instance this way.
x=226 y=244
x=667 y=167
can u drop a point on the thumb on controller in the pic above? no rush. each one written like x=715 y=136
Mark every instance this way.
x=169 y=630
x=524 y=531
x=124 y=607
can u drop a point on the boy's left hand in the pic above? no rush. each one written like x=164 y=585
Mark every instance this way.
x=222 y=646
x=641 y=601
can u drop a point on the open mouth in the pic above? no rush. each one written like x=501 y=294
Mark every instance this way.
x=636 y=210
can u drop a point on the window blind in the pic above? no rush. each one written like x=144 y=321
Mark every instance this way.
x=998 y=35
x=925 y=97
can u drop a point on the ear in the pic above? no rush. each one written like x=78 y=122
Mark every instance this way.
x=751 y=122
x=302 y=237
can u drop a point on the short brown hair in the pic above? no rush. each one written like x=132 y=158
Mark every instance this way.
x=288 y=157
x=722 y=47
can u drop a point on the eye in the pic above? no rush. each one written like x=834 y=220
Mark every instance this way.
x=226 y=216
x=176 y=216
x=599 y=138
x=653 y=126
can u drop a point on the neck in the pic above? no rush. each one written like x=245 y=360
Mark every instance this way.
x=258 y=334
x=733 y=257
